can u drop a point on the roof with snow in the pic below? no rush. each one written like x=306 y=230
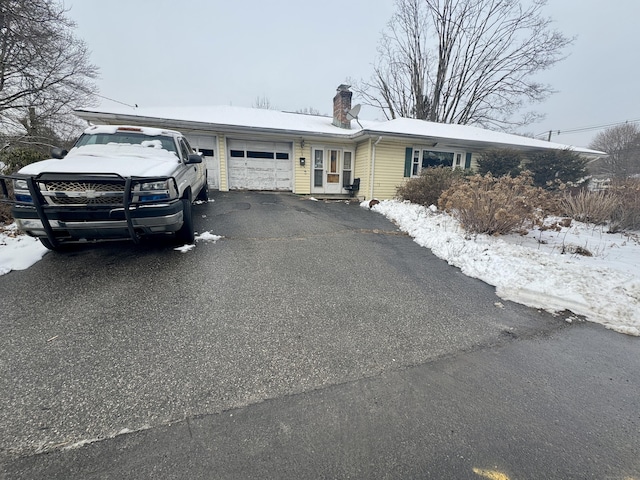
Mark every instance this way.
x=230 y=118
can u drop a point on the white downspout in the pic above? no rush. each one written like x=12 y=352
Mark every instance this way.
x=373 y=167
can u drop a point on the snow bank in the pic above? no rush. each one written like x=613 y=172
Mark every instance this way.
x=533 y=270
x=18 y=252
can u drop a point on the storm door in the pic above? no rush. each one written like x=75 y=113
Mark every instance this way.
x=328 y=170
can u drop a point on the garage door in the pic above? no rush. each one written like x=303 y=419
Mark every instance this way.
x=260 y=165
x=206 y=146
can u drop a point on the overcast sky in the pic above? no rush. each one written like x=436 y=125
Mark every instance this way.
x=296 y=52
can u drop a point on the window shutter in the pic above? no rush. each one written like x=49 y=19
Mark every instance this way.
x=408 y=157
x=467 y=161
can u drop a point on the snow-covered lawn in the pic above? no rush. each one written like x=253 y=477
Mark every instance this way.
x=547 y=269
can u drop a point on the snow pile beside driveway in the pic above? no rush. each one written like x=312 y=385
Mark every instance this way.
x=18 y=252
x=533 y=270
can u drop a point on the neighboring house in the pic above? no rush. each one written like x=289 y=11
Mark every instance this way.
x=257 y=149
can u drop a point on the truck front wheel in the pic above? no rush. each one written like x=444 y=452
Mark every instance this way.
x=186 y=233
x=203 y=194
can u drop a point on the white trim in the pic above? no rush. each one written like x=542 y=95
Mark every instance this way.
x=226 y=163
x=373 y=163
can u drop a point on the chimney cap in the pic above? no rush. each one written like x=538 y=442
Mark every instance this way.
x=343 y=87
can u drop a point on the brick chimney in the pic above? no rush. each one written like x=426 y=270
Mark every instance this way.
x=341 y=105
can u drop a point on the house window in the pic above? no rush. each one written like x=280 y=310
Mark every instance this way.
x=415 y=169
x=346 y=169
x=332 y=171
x=318 y=167
x=428 y=158
x=431 y=158
x=255 y=154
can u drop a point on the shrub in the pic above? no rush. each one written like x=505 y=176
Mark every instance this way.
x=554 y=167
x=626 y=216
x=427 y=188
x=16 y=158
x=495 y=206
x=591 y=207
x=5 y=209
x=5 y=214
x=500 y=162
x=12 y=160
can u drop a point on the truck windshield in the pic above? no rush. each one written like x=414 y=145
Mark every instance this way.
x=129 y=138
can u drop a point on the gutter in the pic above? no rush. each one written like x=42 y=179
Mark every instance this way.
x=373 y=167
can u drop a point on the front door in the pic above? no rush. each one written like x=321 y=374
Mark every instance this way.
x=333 y=168
x=327 y=171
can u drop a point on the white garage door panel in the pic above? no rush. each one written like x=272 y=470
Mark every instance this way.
x=248 y=169
x=237 y=172
x=206 y=145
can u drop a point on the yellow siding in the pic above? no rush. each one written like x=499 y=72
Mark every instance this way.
x=302 y=175
x=389 y=169
x=362 y=168
x=222 y=151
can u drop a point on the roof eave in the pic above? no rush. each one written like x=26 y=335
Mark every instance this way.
x=477 y=144
x=348 y=135
x=194 y=125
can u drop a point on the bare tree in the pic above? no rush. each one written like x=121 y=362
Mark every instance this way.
x=44 y=70
x=463 y=61
x=263 y=103
x=622 y=143
x=308 y=111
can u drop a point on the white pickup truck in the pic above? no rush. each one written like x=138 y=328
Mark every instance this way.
x=116 y=182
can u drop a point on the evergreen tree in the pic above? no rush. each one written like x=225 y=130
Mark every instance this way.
x=500 y=162
x=552 y=167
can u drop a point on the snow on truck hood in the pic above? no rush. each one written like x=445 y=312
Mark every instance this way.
x=122 y=159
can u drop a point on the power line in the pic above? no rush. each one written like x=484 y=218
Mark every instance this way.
x=586 y=129
x=135 y=105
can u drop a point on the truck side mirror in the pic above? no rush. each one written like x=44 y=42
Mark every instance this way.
x=58 y=153
x=194 y=158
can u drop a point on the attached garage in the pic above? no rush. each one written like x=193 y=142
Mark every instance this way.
x=255 y=165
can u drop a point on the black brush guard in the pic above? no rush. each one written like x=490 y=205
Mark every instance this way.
x=41 y=207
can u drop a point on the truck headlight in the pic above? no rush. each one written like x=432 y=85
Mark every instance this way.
x=163 y=185
x=21 y=191
x=156 y=191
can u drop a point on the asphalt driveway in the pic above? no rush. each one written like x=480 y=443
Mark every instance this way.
x=295 y=298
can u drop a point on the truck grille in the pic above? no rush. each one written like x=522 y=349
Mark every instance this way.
x=82 y=193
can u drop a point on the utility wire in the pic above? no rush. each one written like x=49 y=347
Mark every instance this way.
x=135 y=105
x=586 y=129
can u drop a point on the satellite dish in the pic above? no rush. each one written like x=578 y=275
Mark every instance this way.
x=353 y=113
